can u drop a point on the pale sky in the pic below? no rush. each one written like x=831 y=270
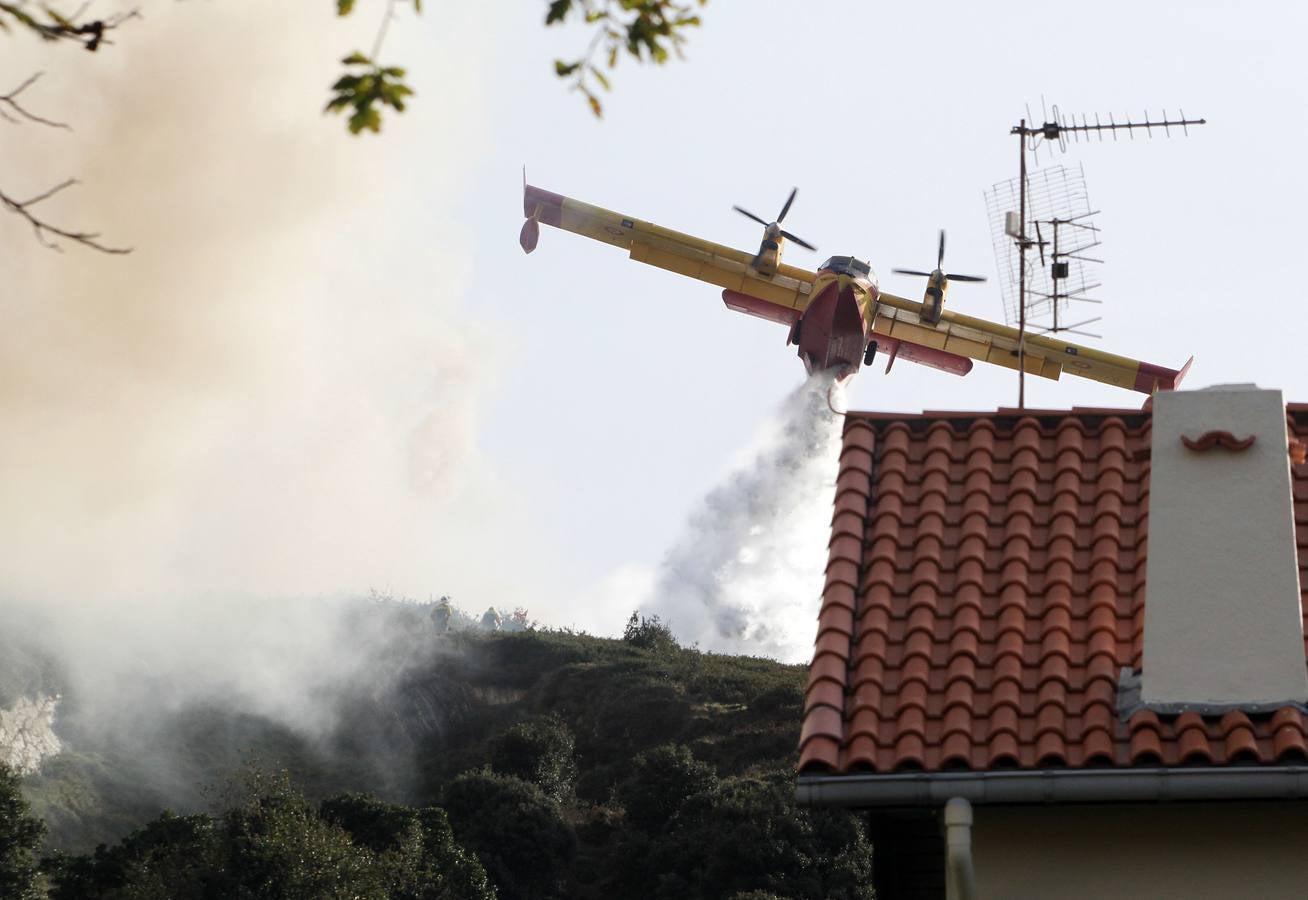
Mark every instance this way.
x=574 y=406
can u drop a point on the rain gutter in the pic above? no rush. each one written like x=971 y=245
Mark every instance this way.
x=1056 y=786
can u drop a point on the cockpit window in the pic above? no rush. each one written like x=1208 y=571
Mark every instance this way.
x=848 y=265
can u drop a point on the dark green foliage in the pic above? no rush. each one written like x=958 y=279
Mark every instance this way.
x=786 y=699
x=747 y=835
x=649 y=634
x=282 y=848
x=275 y=845
x=416 y=847
x=646 y=29
x=539 y=751
x=661 y=780
x=171 y=858
x=20 y=835
x=517 y=832
x=364 y=89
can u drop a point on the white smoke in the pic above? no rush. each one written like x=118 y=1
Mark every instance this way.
x=275 y=397
x=746 y=576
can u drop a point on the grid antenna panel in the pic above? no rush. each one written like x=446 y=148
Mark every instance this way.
x=1057 y=204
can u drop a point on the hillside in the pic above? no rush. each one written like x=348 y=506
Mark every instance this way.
x=647 y=753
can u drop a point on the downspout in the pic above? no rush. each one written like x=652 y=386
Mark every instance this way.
x=960 y=879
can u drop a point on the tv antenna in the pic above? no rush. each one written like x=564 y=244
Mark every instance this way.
x=1058 y=207
x=1056 y=131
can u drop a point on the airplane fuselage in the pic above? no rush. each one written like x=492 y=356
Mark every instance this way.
x=833 y=331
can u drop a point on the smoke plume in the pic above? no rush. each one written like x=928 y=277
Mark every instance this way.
x=273 y=398
x=746 y=575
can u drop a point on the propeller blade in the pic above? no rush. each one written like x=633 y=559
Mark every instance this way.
x=747 y=213
x=940 y=255
x=911 y=272
x=785 y=209
x=952 y=277
x=803 y=243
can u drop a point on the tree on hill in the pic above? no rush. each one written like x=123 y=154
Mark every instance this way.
x=541 y=752
x=275 y=844
x=20 y=835
x=649 y=633
x=661 y=780
x=416 y=846
x=517 y=832
x=746 y=835
x=173 y=857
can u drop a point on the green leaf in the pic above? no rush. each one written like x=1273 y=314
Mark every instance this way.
x=365 y=118
x=563 y=70
x=356 y=59
x=344 y=7
x=559 y=10
x=599 y=76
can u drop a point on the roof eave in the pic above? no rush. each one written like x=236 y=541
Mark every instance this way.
x=1136 y=785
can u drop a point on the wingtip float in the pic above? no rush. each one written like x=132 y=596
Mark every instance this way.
x=838 y=317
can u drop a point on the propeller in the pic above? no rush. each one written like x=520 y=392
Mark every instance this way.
x=940 y=265
x=777 y=224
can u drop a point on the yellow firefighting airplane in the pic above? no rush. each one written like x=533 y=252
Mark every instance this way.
x=838 y=316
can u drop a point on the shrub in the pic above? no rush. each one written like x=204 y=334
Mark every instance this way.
x=649 y=634
x=540 y=751
x=660 y=782
x=517 y=832
x=415 y=847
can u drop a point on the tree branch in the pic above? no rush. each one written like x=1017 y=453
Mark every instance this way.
x=10 y=100
x=45 y=232
x=91 y=35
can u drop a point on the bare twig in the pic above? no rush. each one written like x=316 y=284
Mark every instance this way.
x=10 y=100
x=45 y=232
x=381 y=32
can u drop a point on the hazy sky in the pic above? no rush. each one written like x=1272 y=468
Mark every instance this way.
x=329 y=367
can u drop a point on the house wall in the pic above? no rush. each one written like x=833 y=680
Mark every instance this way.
x=1151 y=852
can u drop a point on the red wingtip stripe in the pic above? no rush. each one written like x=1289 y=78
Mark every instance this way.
x=1152 y=378
x=545 y=206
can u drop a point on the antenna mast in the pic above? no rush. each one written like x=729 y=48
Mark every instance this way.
x=1032 y=137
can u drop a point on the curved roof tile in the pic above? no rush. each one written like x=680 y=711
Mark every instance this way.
x=985 y=587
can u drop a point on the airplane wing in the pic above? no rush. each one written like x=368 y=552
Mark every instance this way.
x=1046 y=356
x=781 y=298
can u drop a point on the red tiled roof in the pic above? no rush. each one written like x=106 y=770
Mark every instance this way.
x=985 y=588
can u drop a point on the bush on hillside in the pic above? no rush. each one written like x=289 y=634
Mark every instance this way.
x=649 y=633
x=744 y=835
x=275 y=844
x=517 y=832
x=539 y=751
x=661 y=780
x=423 y=862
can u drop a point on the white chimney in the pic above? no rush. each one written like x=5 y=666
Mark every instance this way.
x=1223 y=625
